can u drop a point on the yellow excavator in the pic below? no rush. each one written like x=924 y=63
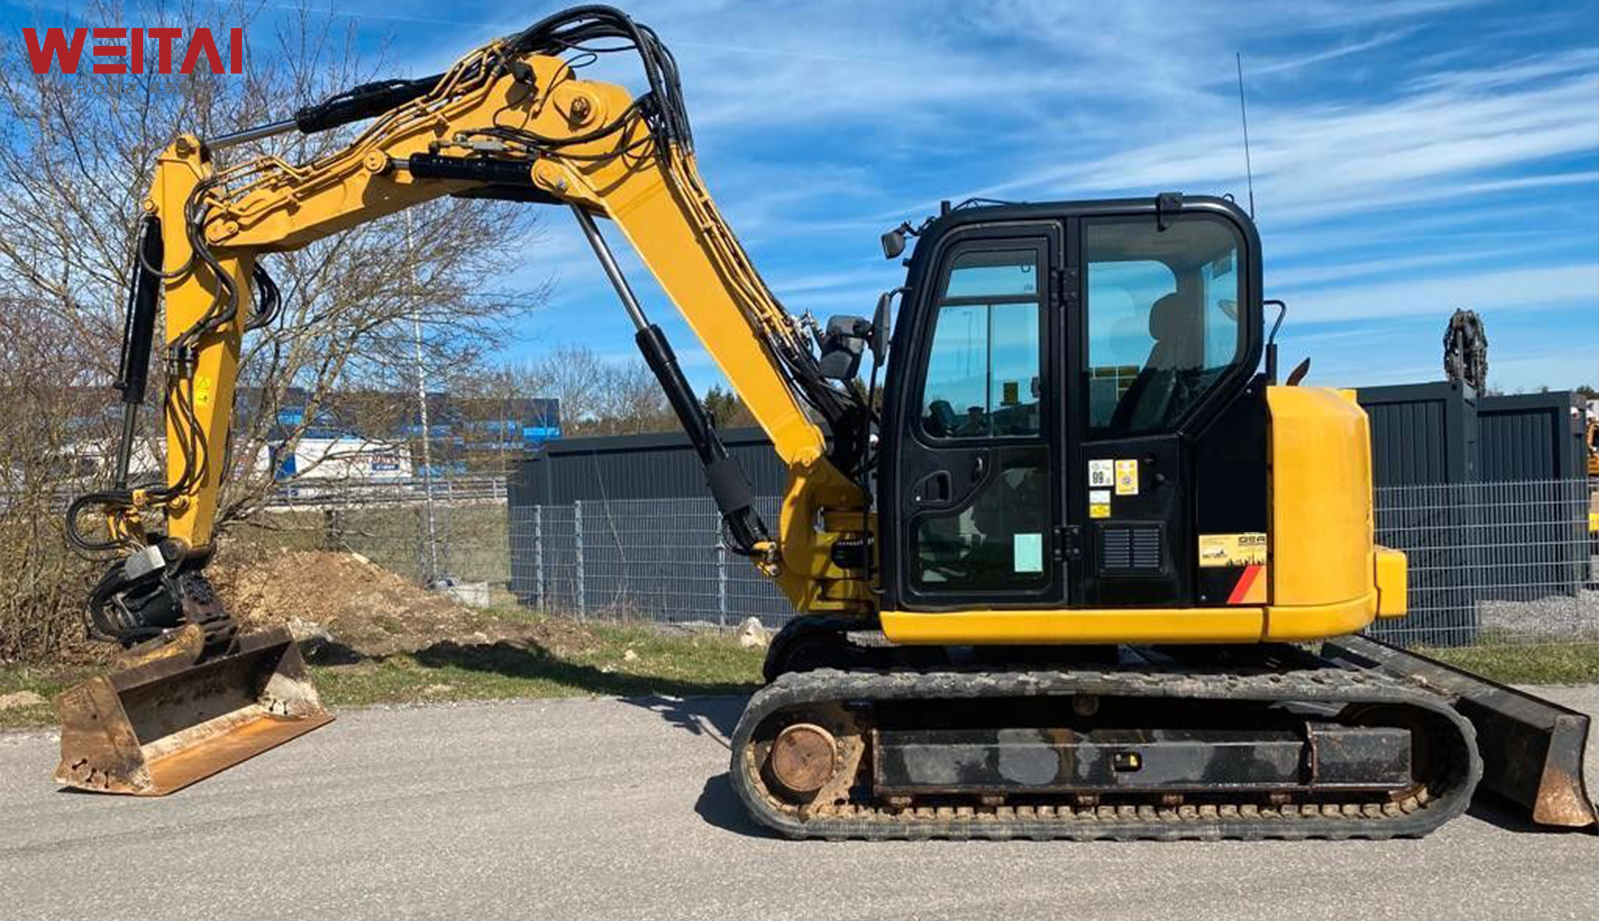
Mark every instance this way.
x=1059 y=578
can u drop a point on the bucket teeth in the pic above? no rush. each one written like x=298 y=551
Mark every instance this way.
x=168 y=719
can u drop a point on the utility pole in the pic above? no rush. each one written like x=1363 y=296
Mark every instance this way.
x=432 y=564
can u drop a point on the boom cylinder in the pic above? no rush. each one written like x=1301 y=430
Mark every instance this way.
x=726 y=480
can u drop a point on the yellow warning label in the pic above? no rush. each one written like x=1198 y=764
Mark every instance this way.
x=202 y=390
x=1249 y=549
x=1099 y=509
x=1127 y=477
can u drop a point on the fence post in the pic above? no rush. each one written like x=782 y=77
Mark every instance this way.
x=577 y=543
x=722 y=584
x=332 y=529
x=538 y=556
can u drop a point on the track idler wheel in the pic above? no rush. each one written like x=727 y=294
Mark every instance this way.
x=802 y=759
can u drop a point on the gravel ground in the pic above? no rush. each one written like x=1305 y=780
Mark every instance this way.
x=1555 y=617
x=622 y=809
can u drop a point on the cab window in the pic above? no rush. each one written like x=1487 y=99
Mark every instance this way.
x=983 y=366
x=1163 y=319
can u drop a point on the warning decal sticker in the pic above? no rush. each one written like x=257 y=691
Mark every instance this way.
x=1127 y=477
x=1100 y=474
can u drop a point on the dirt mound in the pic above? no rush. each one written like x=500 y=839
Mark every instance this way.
x=342 y=603
x=341 y=598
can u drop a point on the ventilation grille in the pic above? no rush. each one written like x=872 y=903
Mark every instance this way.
x=1135 y=547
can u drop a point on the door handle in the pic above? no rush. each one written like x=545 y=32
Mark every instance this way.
x=935 y=487
x=978 y=468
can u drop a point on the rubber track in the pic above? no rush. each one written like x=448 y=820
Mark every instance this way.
x=1418 y=816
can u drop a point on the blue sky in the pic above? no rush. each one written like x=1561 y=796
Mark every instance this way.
x=1410 y=156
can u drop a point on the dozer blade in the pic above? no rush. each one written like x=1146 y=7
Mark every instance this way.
x=1532 y=749
x=170 y=719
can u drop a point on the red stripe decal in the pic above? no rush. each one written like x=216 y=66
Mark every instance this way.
x=1241 y=589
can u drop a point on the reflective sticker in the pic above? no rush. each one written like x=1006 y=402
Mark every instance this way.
x=1099 y=509
x=202 y=390
x=1027 y=553
x=1251 y=587
x=1127 y=477
x=1100 y=473
x=1248 y=549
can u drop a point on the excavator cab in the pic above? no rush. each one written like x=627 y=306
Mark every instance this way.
x=1073 y=397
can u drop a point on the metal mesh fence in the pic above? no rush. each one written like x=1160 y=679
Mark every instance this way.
x=1501 y=562
x=1488 y=562
x=659 y=559
x=452 y=528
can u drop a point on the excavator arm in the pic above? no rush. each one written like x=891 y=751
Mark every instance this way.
x=511 y=120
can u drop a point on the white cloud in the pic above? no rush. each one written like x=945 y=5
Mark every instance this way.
x=1508 y=290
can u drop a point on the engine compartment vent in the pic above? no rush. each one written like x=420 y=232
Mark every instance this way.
x=1131 y=548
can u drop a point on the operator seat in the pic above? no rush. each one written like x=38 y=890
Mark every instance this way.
x=1159 y=392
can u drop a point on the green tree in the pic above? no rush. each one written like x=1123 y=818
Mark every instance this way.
x=726 y=409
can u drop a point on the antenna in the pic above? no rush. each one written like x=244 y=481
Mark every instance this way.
x=1244 y=122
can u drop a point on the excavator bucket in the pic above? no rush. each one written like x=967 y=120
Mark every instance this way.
x=1532 y=749
x=171 y=718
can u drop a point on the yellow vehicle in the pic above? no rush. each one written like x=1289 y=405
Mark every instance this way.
x=1092 y=535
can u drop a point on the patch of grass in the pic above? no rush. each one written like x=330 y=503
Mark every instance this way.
x=561 y=658
x=44 y=681
x=1525 y=663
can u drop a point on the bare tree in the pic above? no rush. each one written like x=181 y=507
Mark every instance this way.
x=76 y=162
x=596 y=397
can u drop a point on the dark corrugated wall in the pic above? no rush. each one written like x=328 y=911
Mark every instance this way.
x=655 y=556
x=1531 y=436
x=1443 y=433
x=639 y=467
x=1422 y=433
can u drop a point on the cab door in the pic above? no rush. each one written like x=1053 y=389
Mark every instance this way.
x=976 y=455
x=1163 y=346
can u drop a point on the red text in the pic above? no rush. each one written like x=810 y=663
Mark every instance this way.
x=128 y=56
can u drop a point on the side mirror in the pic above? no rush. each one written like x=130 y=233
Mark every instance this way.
x=880 y=327
x=894 y=242
x=842 y=345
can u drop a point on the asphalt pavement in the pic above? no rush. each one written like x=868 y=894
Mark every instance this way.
x=600 y=809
